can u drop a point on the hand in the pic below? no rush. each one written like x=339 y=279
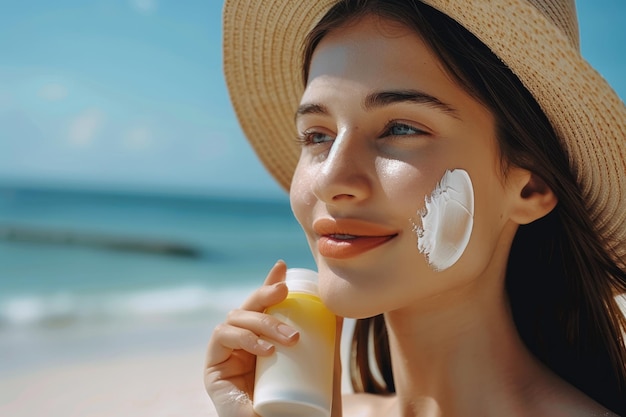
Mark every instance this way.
x=235 y=344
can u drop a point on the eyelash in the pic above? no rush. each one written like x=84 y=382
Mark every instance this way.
x=394 y=123
x=306 y=137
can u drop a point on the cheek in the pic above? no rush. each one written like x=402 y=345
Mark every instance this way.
x=301 y=196
x=404 y=181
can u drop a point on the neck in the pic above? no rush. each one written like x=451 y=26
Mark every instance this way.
x=460 y=354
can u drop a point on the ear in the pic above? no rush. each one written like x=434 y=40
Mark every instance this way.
x=532 y=198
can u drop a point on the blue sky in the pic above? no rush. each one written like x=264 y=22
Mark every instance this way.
x=129 y=94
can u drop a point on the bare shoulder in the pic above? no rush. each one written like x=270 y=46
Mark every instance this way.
x=562 y=399
x=590 y=410
x=367 y=405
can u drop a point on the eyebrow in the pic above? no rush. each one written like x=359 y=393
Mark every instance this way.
x=311 y=109
x=385 y=98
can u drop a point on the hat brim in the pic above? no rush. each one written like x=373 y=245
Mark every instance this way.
x=262 y=47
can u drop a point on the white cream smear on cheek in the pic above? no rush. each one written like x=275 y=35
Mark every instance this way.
x=447 y=220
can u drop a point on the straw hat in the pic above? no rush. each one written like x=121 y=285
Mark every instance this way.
x=537 y=39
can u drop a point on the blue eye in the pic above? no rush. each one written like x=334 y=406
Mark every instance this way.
x=320 y=137
x=400 y=129
x=313 y=138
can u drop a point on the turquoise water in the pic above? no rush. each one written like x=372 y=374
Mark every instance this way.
x=73 y=257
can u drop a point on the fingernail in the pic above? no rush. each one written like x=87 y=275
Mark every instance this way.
x=264 y=344
x=287 y=331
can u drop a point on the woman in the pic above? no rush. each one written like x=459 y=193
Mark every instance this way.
x=460 y=181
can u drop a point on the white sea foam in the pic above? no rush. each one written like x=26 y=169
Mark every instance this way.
x=64 y=309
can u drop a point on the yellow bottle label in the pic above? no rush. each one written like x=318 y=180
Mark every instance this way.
x=306 y=311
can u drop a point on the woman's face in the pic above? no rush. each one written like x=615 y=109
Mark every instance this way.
x=381 y=123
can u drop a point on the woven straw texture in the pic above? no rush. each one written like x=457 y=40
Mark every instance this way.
x=262 y=63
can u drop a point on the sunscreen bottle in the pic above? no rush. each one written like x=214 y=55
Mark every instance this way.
x=298 y=380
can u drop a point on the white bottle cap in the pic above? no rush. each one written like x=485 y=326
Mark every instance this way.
x=303 y=281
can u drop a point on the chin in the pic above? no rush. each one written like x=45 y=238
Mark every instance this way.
x=345 y=300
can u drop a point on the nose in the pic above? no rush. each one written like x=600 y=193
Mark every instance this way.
x=346 y=174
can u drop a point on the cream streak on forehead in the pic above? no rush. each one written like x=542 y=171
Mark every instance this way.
x=447 y=220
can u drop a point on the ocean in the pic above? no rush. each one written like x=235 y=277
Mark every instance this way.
x=87 y=273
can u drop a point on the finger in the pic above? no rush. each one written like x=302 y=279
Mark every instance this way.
x=273 y=291
x=227 y=338
x=236 y=338
x=249 y=331
x=277 y=273
x=264 y=325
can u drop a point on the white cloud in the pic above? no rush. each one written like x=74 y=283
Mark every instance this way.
x=84 y=127
x=53 y=92
x=144 y=6
x=138 y=138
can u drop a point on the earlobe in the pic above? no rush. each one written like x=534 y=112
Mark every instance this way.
x=534 y=199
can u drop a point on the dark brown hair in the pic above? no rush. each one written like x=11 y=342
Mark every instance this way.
x=561 y=282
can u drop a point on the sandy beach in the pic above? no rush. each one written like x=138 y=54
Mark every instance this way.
x=156 y=385
x=144 y=369
x=149 y=369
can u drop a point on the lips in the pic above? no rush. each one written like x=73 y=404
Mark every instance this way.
x=347 y=238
